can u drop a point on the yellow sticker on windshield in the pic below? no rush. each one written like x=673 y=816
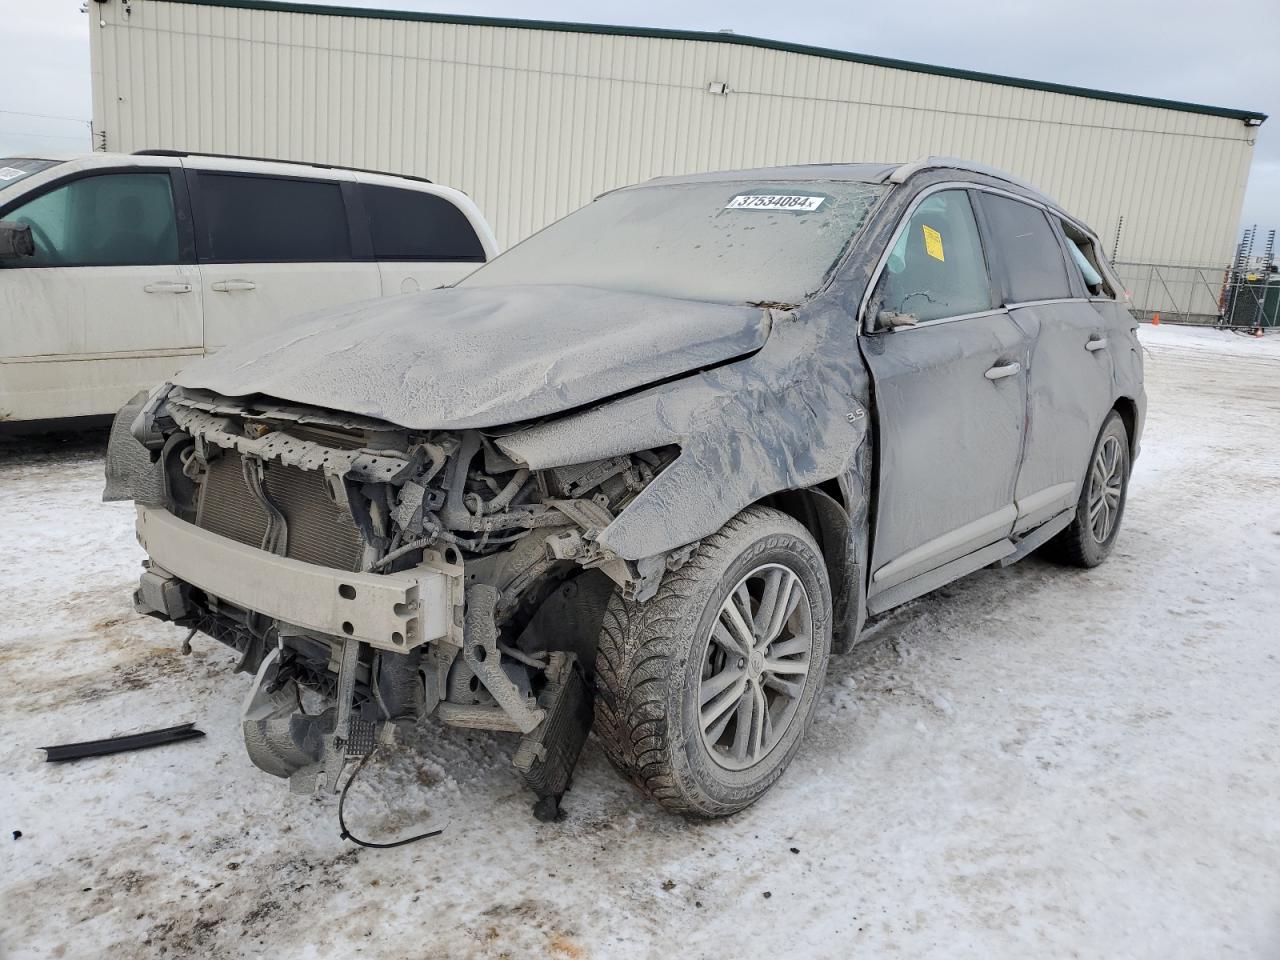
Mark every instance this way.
x=933 y=243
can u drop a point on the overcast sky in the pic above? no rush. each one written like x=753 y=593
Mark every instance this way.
x=1225 y=53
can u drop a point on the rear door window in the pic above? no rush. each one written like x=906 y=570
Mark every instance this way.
x=415 y=225
x=936 y=267
x=107 y=220
x=1027 y=249
x=256 y=219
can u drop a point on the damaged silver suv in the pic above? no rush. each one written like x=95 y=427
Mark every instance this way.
x=646 y=470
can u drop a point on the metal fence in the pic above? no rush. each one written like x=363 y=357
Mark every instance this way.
x=1180 y=294
x=1247 y=298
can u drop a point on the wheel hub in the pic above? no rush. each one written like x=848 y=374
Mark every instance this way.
x=1106 y=488
x=755 y=666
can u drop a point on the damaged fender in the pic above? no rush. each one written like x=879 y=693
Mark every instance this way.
x=778 y=421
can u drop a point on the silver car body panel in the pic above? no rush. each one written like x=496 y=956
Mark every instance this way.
x=481 y=356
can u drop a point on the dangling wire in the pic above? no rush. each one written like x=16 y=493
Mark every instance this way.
x=342 y=823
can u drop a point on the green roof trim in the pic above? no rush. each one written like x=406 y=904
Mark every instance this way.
x=284 y=6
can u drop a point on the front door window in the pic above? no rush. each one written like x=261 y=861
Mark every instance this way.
x=113 y=219
x=936 y=268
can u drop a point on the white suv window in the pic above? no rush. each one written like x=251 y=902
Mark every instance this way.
x=245 y=218
x=15 y=169
x=111 y=219
x=415 y=225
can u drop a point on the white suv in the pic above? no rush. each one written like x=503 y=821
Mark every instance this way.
x=117 y=270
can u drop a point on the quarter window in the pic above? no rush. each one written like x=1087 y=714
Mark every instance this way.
x=251 y=219
x=415 y=225
x=113 y=219
x=936 y=268
x=1084 y=256
x=1026 y=245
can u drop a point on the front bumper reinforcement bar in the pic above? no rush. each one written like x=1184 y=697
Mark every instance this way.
x=393 y=611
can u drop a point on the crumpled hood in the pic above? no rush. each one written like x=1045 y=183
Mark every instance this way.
x=481 y=356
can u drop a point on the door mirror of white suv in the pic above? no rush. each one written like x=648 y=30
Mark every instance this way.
x=15 y=240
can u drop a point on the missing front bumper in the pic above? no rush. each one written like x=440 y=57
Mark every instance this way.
x=395 y=611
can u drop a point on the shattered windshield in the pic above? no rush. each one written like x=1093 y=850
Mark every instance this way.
x=13 y=169
x=722 y=241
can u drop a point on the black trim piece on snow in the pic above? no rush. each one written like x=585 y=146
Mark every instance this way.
x=133 y=741
x=1251 y=117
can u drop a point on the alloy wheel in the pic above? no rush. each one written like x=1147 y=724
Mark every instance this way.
x=1106 y=485
x=754 y=667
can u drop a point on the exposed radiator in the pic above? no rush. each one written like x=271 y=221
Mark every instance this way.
x=319 y=531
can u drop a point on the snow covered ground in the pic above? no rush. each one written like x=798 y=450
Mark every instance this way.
x=1033 y=762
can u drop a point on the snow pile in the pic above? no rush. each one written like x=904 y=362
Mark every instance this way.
x=1031 y=762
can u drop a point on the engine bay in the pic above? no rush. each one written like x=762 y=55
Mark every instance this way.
x=351 y=494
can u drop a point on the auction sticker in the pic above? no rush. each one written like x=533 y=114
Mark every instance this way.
x=774 y=201
x=933 y=243
x=10 y=173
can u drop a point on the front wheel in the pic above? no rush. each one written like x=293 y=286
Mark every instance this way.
x=1092 y=532
x=704 y=692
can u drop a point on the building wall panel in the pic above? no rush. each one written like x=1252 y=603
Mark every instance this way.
x=533 y=123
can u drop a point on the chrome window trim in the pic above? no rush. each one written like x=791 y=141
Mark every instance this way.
x=1038 y=303
x=1046 y=302
x=994 y=311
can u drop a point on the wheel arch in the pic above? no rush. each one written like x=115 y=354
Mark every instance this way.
x=822 y=510
x=1127 y=407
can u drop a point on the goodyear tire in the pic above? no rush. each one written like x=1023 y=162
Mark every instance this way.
x=705 y=691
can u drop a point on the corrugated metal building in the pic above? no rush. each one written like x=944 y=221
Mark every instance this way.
x=532 y=118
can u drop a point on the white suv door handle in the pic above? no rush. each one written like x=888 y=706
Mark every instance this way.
x=228 y=286
x=1002 y=370
x=1097 y=343
x=168 y=286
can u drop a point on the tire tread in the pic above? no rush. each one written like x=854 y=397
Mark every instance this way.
x=642 y=649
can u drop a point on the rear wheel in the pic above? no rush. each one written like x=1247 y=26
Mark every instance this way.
x=1092 y=533
x=704 y=692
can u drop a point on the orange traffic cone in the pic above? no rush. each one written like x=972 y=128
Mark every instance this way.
x=1155 y=320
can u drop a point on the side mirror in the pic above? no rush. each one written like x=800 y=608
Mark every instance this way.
x=888 y=320
x=15 y=240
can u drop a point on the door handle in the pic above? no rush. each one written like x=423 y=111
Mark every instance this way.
x=1096 y=344
x=1002 y=370
x=229 y=286
x=168 y=286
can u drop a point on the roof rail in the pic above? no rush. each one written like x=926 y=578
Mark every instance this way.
x=906 y=170
x=298 y=163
